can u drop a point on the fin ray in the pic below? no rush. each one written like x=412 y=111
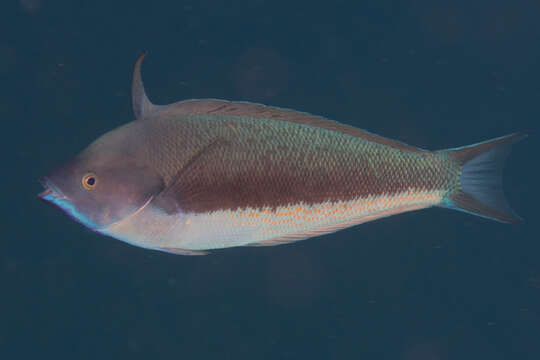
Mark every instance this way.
x=481 y=190
x=176 y=251
x=142 y=106
x=181 y=193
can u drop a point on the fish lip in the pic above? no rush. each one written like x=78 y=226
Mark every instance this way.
x=51 y=191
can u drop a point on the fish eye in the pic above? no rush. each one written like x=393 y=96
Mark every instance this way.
x=89 y=181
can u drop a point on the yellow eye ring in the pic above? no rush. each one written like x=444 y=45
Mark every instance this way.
x=89 y=181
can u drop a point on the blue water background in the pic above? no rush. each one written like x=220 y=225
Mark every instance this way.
x=434 y=284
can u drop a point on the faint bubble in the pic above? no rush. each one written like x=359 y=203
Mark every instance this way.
x=260 y=74
x=31 y=6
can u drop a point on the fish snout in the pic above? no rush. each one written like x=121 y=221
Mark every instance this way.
x=50 y=193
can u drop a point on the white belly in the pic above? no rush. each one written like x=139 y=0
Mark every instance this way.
x=152 y=228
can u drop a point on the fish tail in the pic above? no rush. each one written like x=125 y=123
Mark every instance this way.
x=480 y=190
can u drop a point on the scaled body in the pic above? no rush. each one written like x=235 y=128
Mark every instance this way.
x=208 y=174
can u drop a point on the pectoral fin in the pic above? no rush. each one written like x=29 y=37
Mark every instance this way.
x=186 y=188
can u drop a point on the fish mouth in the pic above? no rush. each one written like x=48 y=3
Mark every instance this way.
x=51 y=192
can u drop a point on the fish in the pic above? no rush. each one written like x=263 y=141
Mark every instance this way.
x=204 y=174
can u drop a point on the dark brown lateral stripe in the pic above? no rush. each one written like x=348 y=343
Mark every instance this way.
x=266 y=163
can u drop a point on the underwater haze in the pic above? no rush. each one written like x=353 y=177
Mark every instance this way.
x=433 y=284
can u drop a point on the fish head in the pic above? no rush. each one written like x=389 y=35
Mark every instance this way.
x=101 y=186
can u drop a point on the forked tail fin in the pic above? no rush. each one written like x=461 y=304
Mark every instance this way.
x=481 y=191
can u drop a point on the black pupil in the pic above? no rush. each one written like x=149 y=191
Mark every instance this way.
x=91 y=181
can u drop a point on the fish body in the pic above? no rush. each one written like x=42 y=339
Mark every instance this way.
x=207 y=174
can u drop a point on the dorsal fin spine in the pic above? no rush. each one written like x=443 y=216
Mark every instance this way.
x=142 y=106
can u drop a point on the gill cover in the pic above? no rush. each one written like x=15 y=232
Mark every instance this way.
x=120 y=190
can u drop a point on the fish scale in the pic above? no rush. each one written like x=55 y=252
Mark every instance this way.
x=207 y=174
x=245 y=173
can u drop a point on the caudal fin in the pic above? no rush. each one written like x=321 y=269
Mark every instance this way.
x=481 y=191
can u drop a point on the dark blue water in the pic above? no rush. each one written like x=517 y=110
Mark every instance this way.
x=434 y=284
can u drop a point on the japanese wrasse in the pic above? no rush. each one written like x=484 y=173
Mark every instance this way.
x=207 y=174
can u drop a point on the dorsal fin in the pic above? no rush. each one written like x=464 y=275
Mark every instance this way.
x=239 y=108
x=142 y=106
